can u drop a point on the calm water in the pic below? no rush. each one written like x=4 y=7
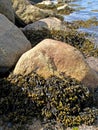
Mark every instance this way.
x=85 y=9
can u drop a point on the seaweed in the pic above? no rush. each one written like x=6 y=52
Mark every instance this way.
x=64 y=100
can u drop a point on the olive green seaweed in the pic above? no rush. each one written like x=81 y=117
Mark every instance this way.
x=65 y=11
x=88 y=23
x=64 y=100
x=77 y=39
x=75 y=128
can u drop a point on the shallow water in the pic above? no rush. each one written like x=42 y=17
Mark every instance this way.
x=85 y=9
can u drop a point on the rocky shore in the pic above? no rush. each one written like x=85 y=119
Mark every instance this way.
x=48 y=70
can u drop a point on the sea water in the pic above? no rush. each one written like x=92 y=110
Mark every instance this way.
x=84 y=10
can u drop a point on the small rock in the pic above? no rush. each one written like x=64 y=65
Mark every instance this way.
x=62 y=7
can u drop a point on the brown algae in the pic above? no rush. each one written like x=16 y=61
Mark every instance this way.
x=64 y=100
x=70 y=36
x=88 y=23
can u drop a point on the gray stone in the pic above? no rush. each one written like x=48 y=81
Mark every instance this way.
x=7 y=10
x=13 y=44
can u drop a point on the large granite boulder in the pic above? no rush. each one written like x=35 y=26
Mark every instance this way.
x=13 y=44
x=28 y=13
x=7 y=10
x=51 y=57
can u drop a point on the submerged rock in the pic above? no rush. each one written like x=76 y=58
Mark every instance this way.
x=51 y=57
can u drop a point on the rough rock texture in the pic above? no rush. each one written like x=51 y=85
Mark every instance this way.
x=53 y=57
x=28 y=13
x=13 y=44
x=93 y=63
x=46 y=2
x=7 y=10
x=49 y=23
x=62 y=7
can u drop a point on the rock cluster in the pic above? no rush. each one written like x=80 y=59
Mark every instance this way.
x=54 y=74
x=28 y=13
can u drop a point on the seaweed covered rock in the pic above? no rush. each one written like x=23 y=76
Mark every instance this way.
x=28 y=13
x=50 y=23
x=65 y=9
x=67 y=33
x=41 y=29
x=13 y=44
x=60 y=8
x=7 y=10
x=63 y=100
x=51 y=57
